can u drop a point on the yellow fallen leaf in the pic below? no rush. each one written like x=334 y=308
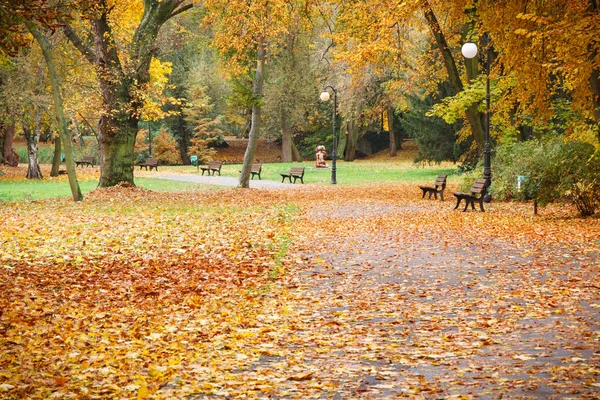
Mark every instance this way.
x=143 y=392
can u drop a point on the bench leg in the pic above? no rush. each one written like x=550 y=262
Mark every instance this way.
x=481 y=204
x=467 y=202
x=424 y=193
x=442 y=195
x=458 y=199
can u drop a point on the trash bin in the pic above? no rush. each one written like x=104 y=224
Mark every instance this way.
x=194 y=160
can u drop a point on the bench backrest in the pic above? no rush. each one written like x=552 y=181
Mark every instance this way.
x=297 y=171
x=215 y=164
x=152 y=161
x=256 y=167
x=89 y=159
x=441 y=180
x=479 y=186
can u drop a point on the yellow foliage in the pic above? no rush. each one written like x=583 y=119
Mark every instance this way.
x=153 y=94
x=239 y=26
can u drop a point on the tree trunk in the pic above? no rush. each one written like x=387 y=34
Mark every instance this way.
x=121 y=86
x=472 y=114
x=2 y=150
x=351 y=140
x=63 y=130
x=286 y=137
x=296 y=156
x=56 y=158
x=117 y=143
x=390 y=117
x=595 y=77
x=256 y=111
x=9 y=155
x=183 y=138
x=32 y=137
x=342 y=141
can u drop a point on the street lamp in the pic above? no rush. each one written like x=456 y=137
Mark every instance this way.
x=325 y=97
x=469 y=50
x=149 y=138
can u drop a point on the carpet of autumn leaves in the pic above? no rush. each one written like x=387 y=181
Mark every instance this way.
x=315 y=292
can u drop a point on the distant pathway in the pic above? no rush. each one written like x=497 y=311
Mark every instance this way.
x=224 y=181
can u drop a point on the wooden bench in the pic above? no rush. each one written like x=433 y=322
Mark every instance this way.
x=86 y=161
x=212 y=168
x=296 y=173
x=255 y=169
x=477 y=194
x=150 y=163
x=438 y=187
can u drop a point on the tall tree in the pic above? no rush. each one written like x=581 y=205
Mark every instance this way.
x=550 y=49
x=65 y=134
x=123 y=74
x=247 y=33
x=372 y=34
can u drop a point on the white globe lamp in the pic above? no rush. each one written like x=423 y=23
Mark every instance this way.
x=469 y=50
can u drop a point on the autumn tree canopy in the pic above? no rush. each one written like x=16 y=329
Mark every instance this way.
x=262 y=64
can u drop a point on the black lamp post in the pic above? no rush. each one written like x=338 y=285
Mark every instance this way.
x=149 y=139
x=469 y=50
x=325 y=97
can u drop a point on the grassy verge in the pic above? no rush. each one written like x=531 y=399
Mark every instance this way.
x=27 y=190
x=348 y=173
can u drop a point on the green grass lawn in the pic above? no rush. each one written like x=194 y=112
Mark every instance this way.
x=348 y=173
x=26 y=190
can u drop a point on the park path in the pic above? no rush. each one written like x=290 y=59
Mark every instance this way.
x=223 y=181
x=386 y=299
x=410 y=312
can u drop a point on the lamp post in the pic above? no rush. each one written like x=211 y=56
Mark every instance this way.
x=469 y=50
x=149 y=138
x=325 y=97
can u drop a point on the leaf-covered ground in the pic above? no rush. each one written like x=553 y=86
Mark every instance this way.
x=317 y=292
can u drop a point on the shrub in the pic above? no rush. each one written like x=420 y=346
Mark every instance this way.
x=199 y=147
x=141 y=152
x=164 y=148
x=555 y=171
